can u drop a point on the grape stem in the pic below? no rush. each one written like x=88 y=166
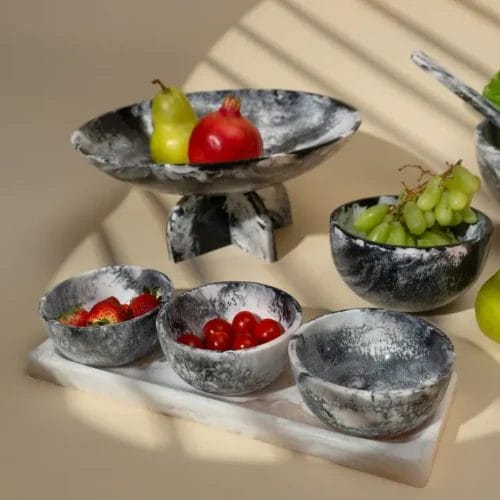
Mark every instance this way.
x=423 y=171
x=411 y=194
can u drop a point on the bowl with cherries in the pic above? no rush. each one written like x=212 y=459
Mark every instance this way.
x=228 y=338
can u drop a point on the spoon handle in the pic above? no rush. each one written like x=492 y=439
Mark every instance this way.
x=469 y=95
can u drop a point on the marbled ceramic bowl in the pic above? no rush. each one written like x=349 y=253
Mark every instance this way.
x=106 y=345
x=487 y=138
x=371 y=372
x=228 y=372
x=407 y=278
x=299 y=131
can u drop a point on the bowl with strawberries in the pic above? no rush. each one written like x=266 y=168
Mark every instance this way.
x=106 y=317
x=228 y=338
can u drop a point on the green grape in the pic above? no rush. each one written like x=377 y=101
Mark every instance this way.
x=414 y=218
x=437 y=237
x=370 y=217
x=469 y=182
x=469 y=216
x=410 y=242
x=429 y=218
x=423 y=241
x=457 y=199
x=397 y=234
x=447 y=234
x=442 y=211
x=456 y=218
x=380 y=232
x=431 y=194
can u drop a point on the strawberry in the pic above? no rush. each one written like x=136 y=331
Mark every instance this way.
x=145 y=302
x=127 y=311
x=106 y=312
x=112 y=300
x=76 y=316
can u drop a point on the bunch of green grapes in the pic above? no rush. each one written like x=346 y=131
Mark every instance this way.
x=423 y=217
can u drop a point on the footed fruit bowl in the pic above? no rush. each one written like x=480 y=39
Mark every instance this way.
x=223 y=203
x=299 y=130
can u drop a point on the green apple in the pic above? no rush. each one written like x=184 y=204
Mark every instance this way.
x=488 y=307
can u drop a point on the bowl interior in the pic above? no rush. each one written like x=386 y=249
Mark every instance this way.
x=123 y=282
x=345 y=215
x=490 y=134
x=375 y=350
x=287 y=120
x=192 y=309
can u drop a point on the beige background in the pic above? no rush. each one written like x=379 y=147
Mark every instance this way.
x=63 y=62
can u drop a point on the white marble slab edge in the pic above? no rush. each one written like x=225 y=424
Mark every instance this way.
x=409 y=460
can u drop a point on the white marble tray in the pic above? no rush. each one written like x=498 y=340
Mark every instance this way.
x=276 y=414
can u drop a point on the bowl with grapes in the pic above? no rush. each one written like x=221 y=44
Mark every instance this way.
x=299 y=131
x=403 y=272
x=487 y=138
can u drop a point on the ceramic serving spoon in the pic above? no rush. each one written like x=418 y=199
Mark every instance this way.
x=466 y=93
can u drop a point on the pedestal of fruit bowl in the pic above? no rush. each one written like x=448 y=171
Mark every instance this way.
x=238 y=203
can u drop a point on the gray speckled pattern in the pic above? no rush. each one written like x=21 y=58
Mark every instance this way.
x=107 y=345
x=487 y=138
x=198 y=224
x=460 y=89
x=371 y=372
x=407 y=278
x=299 y=131
x=229 y=372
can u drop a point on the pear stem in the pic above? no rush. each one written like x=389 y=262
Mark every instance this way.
x=160 y=83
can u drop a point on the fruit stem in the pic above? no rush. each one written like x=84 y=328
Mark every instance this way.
x=231 y=105
x=160 y=83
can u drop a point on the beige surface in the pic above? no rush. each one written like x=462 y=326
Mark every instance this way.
x=63 y=62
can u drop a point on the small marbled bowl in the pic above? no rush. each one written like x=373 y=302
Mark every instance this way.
x=487 y=138
x=106 y=345
x=371 y=372
x=229 y=372
x=409 y=279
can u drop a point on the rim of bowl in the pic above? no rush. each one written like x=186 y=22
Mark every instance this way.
x=231 y=352
x=333 y=215
x=297 y=363
x=229 y=164
x=43 y=299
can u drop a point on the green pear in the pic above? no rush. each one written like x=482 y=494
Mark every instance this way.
x=173 y=122
x=487 y=307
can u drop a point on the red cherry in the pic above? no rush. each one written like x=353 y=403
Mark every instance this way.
x=218 y=341
x=217 y=325
x=244 y=322
x=266 y=330
x=243 y=341
x=191 y=340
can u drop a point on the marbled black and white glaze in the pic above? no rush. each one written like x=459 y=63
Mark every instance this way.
x=459 y=88
x=106 y=345
x=198 y=224
x=228 y=372
x=487 y=138
x=407 y=278
x=299 y=130
x=371 y=372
